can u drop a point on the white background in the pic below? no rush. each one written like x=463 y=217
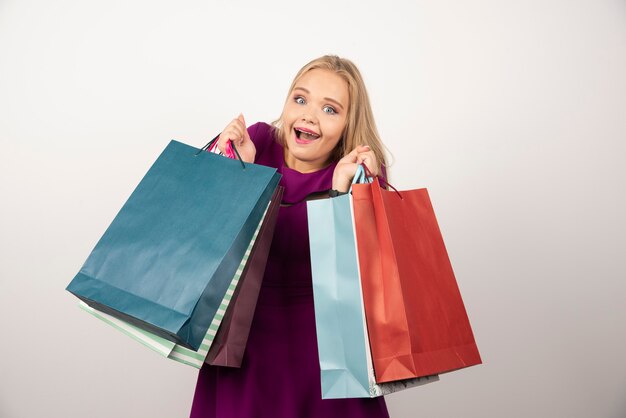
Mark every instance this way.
x=512 y=113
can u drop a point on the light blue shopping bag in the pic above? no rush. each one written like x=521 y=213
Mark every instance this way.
x=336 y=292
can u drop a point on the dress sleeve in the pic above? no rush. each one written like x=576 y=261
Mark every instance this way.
x=261 y=134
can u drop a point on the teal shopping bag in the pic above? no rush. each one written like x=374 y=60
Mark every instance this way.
x=342 y=338
x=167 y=259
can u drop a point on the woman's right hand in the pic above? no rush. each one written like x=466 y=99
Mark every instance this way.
x=237 y=132
x=347 y=166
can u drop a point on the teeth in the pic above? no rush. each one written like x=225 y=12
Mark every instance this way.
x=306 y=135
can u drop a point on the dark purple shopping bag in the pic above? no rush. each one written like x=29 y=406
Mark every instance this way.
x=230 y=341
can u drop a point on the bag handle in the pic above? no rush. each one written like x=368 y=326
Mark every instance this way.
x=360 y=177
x=380 y=179
x=209 y=145
x=213 y=143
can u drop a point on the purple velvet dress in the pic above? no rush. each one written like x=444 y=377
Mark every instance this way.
x=280 y=374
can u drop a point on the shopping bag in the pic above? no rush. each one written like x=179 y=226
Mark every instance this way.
x=171 y=350
x=343 y=347
x=416 y=318
x=232 y=336
x=167 y=259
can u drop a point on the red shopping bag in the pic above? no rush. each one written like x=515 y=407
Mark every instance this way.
x=232 y=336
x=416 y=319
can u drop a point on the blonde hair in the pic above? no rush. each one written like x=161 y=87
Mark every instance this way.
x=360 y=127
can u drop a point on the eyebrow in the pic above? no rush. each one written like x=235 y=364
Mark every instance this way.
x=329 y=99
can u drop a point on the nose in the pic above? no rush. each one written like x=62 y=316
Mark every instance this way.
x=306 y=118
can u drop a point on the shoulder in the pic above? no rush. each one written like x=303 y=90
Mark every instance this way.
x=268 y=151
x=261 y=134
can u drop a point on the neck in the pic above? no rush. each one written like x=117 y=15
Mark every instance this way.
x=303 y=166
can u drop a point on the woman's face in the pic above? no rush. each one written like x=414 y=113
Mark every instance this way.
x=314 y=118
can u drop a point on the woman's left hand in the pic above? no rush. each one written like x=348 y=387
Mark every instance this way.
x=347 y=166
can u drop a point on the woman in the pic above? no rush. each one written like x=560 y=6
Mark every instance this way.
x=325 y=130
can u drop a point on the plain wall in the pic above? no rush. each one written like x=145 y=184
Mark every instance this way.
x=512 y=113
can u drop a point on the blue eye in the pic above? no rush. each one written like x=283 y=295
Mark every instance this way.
x=299 y=100
x=330 y=110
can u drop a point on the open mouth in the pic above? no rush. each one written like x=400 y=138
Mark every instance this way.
x=305 y=134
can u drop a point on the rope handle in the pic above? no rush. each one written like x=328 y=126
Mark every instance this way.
x=230 y=146
x=380 y=179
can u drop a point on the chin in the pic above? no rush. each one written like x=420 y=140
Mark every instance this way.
x=301 y=155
